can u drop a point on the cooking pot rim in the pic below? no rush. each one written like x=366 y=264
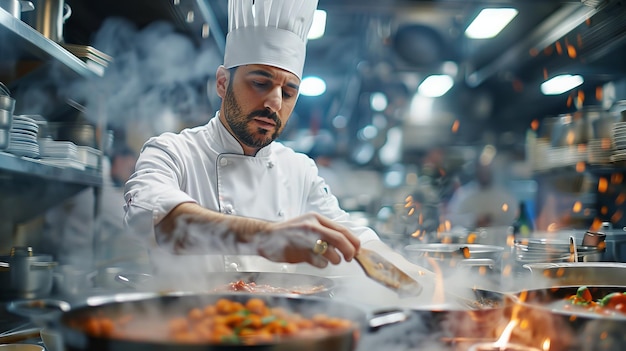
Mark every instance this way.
x=452 y=247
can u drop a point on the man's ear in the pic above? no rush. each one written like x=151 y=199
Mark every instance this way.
x=222 y=77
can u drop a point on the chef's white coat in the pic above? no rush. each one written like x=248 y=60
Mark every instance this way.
x=206 y=165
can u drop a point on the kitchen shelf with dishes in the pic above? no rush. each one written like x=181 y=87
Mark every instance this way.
x=598 y=156
x=28 y=155
x=22 y=42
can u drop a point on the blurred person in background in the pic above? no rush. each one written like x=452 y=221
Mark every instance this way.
x=483 y=202
x=227 y=190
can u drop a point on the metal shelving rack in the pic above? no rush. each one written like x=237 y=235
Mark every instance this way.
x=29 y=187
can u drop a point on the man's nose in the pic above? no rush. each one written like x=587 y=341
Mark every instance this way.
x=274 y=99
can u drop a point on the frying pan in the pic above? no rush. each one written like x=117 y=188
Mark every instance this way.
x=547 y=315
x=303 y=284
x=151 y=311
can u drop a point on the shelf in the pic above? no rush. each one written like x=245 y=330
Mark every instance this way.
x=24 y=42
x=25 y=167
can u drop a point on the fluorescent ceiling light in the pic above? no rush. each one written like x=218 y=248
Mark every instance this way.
x=435 y=85
x=312 y=86
x=319 y=25
x=560 y=84
x=490 y=22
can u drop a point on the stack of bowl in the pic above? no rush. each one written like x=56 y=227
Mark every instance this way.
x=7 y=106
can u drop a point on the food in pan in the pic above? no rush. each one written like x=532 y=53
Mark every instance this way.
x=609 y=304
x=223 y=322
x=253 y=287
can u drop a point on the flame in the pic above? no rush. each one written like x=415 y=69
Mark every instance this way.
x=577 y=207
x=620 y=199
x=580 y=167
x=534 y=125
x=617 y=216
x=559 y=49
x=581 y=98
x=604 y=210
x=505 y=207
x=545 y=346
x=455 y=126
x=569 y=101
x=533 y=52
x=571 y=51
x=617 y=178
x=599 y=93
x=411 y=211
x=438 y=294
x=471 y=238
x=553 y=227
x=545 y=74
x=602 y=185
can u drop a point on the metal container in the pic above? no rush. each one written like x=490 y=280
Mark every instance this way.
x=4 y=139
x=25 y=275
x=16 y=7
x=578 y=273
x=49 y=17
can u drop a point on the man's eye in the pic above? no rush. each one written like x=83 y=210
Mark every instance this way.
x=259 y=84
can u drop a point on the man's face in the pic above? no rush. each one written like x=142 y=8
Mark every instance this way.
x=258 y=102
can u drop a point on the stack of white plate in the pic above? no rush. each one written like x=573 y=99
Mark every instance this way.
x=599 y=151
x=619 y=142
x=23 y=137
x=60 y=153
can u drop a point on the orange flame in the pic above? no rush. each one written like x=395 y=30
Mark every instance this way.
x=571 y=51
x=602 y=185
x=559 y=49
x=577 y=207
x=534 y=125
x=599 y=93
x=580 y=167
x=455 y=126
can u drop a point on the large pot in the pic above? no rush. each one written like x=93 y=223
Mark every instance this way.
x=548 y=316
x=577 y=273
x=152 y=312
x=449 y=258
x=25 y=275
x=16 y=7
x=49 y=18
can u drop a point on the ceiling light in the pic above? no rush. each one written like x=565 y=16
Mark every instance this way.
x=490 y=22
x=560 y=84
x=312 y=86
x=378 y=101
x=319 y=25
x=435 y=85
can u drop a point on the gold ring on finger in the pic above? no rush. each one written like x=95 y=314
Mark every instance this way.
x=320 y=247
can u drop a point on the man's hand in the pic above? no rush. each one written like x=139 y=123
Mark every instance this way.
x=293 y=241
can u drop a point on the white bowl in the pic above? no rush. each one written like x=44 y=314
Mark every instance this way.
x=51 y=339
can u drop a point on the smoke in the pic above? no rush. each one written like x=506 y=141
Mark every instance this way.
x=157 y=78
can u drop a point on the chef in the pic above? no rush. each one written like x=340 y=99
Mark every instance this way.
x=228 y=186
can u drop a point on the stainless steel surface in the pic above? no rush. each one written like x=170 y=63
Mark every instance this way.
x=16 y=7
x=7 y=103
x=26 y=42
x=49 y=18
x=25 y=275
x=4 y=138
x=579 y=273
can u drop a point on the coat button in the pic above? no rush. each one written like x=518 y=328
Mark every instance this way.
x=223 y=161
x=281 y=213
x=270 y=164
x=228 y=209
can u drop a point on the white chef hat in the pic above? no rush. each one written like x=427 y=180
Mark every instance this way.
x=269 y=32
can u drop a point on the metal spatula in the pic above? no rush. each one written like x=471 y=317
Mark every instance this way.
x=387 y=274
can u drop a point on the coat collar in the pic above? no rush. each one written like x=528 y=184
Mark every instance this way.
x=227 y=144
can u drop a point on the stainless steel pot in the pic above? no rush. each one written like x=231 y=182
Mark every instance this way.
x=455 y=255
x=16 y=7
x=24 y=275
x=49 y=17
x=578 y=273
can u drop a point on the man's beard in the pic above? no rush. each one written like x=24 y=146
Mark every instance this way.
x=239 y=123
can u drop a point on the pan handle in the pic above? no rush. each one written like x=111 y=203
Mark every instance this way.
x=387 y=317
x=41 y=311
